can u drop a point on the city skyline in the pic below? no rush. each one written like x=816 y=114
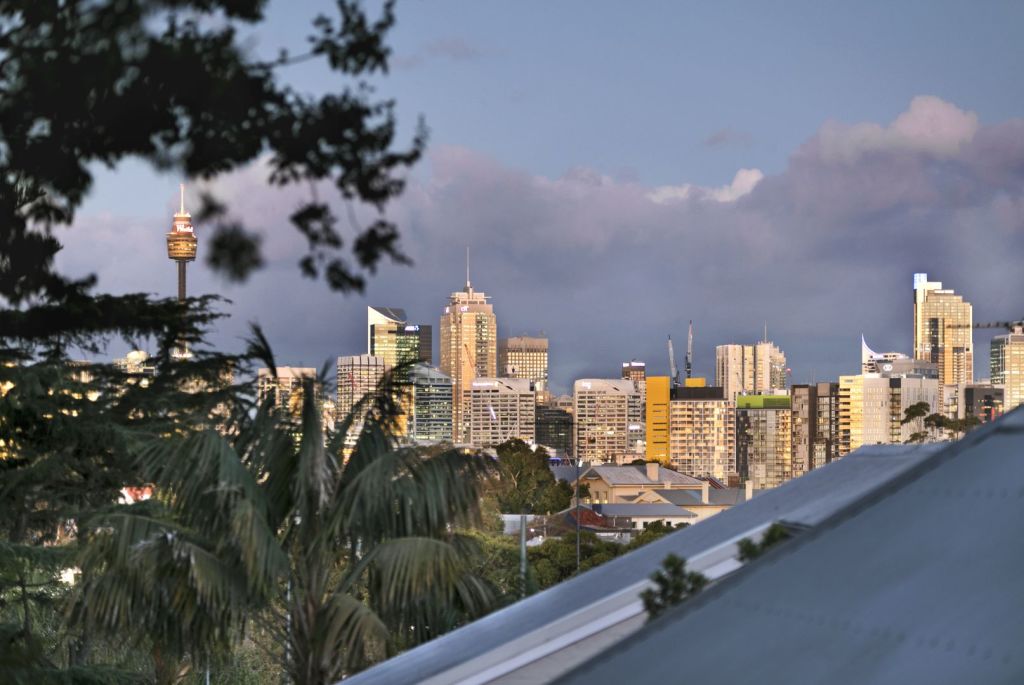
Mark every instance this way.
x=810 y=212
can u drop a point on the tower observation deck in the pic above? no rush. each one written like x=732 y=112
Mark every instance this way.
x=181 y=243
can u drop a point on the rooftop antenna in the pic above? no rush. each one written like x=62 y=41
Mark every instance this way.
x=765 y=330
x=468 y=286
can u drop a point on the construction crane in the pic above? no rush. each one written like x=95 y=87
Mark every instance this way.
x=673 y=371
x=689 y=351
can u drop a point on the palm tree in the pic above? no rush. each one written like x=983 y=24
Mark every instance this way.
x=343 y=561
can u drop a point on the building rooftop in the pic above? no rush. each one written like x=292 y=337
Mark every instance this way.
x=630 y=509
x=547 y=634
x=636 y=474
x=716 y=496
x=915 y=581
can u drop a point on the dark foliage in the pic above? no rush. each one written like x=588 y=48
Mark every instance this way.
x=673 y=584
x=775 y=534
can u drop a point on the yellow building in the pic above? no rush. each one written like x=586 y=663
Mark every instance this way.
x=943 y=331
x=469 y=347
x=658 y=395
x=1006 y=359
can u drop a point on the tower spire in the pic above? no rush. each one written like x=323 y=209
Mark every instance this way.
x=181 y=187
x=468 y=285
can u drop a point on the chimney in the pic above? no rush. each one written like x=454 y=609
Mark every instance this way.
x=652 y=471
x=748 y=493
x=704 y=487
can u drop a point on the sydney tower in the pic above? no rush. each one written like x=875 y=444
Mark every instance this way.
x=181 y=243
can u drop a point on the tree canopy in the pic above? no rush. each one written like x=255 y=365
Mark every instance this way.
x=525 y=483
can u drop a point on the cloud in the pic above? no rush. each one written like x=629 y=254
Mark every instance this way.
x=727 y=136
x=930 y=125
x=823 y=250
x=450 y=49
x=743 y=182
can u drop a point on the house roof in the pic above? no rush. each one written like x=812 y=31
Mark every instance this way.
x=564 y=472
x=501 y=642
x=917 y=581
x=716 y=497
x=630 y=509
x=636 y=474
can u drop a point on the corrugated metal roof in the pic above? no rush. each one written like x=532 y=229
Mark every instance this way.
x=642 y=510
x=636 y=474
x=916 y=582
x=806 y=500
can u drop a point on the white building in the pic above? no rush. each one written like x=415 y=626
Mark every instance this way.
x=608 y=419
x=499 y=409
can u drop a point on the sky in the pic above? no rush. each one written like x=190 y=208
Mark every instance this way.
x=618 y=169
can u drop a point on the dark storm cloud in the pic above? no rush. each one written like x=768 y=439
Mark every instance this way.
x=823 y=251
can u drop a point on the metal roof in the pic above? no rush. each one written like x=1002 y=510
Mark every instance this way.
x=636 y=474
x=487 y=645
x=630 y=509
x=916 y=582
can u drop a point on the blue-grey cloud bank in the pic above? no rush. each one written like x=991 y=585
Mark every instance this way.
x=607 y=267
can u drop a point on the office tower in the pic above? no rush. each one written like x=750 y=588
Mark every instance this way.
x=608 y=414
x=563 y=402
x=757 y=368
x=430 y=417
x=554 y=430
x=469 y=346
x=392 y=338
x=656 y=417
x=497 y=410
x=872 y=362
x=825 y=447
x=634 y=370
x=803 y=424
x=764 y=439
x=872 y=408
x=358 y=376
x=985 y=401
x=284 y=391
x=525 y=357
x=943 y=331
x=1006 y=362
x=702 y=432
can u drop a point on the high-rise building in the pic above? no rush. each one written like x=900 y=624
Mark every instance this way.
x=943 y=331
x=525 y=357
x=658 y=395
x=872 y=362
x=702 y=432
x=469 y=346
x=634 y=370
x=1006 y=362
x=609 y=415
x=803 y=424
x=826 y=433
x=872 y=408
x=284 y=391
x=757 y=368
x=430 y=417
x=554 y=430
x=499 y=409
x=358 y=376
x=392 y=338
x=764 y=439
